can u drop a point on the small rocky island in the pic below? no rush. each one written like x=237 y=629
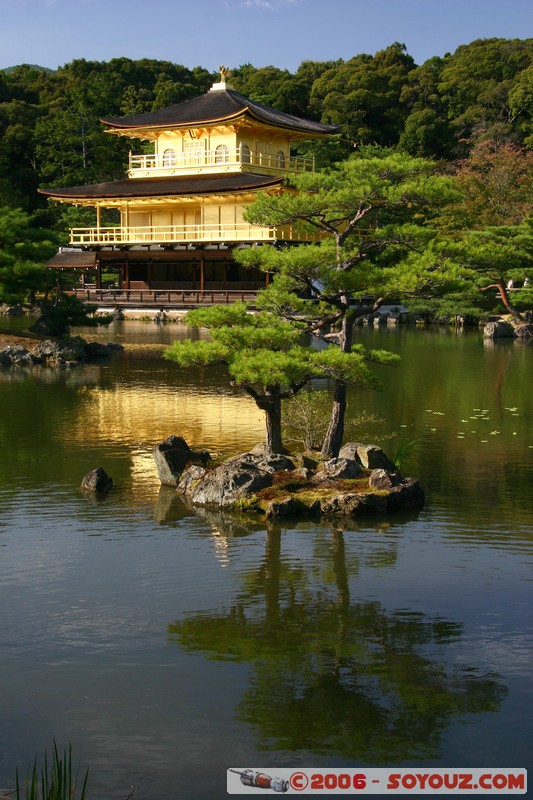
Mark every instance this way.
x=362 y=480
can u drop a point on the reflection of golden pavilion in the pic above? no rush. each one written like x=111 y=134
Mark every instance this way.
x=221 y=547
x=132 y=415
x=181 y=208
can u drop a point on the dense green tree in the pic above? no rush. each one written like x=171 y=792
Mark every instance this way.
x=26 y=83
x=178 y=85
x=374 y=214
x=421 y=89
x=495 y=261
x=363 y=95
x=476 y=83
x=71 y=145
x=426 y=131
x=18 y=166
x=279 y=88
x=521 y=105
x=264 y=85
x=425 y=134
x=24 y=248
x=136 y=100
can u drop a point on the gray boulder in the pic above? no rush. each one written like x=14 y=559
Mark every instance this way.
x=189 y=478
x=172 y=457
x=342 y=468
x=370 y=456
x=349 y=450
x=351 y=504
x=65 y=350
x=263 y=457
x=286 y=507
x=16 y=354
x=498 y=330
x=407 y=496
x=382 y=480
x=231 y=482
x=97 y=481
x=525 y=330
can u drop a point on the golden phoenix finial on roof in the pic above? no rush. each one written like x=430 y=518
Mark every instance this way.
x=224 y=73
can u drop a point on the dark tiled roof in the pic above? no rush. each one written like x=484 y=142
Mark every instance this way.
x=69 y=259
x=166 y=187
x=216 y=106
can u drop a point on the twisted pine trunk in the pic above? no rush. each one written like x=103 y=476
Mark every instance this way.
x=335 y=432
x=270 y=403
x=334 y=435
x=504 y=294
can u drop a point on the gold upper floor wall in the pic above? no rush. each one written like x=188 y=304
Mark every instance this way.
x=223 y=149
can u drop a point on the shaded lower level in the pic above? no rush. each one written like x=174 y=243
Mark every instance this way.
x=138 y=276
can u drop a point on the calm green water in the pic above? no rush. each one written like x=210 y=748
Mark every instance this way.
x=167 y=646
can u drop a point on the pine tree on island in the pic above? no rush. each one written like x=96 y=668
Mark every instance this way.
x=265 y=358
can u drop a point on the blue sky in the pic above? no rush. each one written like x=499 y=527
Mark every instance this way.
x=233 y=32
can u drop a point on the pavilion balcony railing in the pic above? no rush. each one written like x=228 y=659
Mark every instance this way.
x=185 y=234
x=168 y=163
x=163 y=298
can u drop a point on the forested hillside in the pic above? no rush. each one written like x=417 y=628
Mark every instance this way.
x=50 y=132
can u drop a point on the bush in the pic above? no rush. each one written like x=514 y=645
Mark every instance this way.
x=307 y=417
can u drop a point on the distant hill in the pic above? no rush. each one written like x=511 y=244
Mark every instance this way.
x=7 y=70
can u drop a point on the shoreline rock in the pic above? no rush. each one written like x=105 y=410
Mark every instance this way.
x=97 y=481
x=173 y=457
x=499 y=330
x=57 y=352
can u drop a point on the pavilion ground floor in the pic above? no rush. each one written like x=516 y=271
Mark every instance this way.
x=161 y=277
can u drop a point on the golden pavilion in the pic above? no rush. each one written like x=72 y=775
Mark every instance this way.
x=181 y=208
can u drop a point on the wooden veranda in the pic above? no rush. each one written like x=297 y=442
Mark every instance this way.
x=163 y=299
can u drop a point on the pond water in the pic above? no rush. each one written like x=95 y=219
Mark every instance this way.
x=167 y=645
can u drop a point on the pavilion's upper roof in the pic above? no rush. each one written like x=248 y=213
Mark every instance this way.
x=167 y=187
x=218 y=106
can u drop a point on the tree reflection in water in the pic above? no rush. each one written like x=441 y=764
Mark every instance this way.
x=334 y=676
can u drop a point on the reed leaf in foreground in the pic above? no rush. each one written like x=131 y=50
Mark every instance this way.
x=57 y=781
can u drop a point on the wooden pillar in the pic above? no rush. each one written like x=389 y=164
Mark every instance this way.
x=267 y=278
x=98 y=220
x=202 y=273
x=126 y=272
x=98 y=274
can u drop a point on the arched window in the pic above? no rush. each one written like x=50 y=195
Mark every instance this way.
x=221 y=154
x=245 y=154
x=280 y=159
x=169 y=157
